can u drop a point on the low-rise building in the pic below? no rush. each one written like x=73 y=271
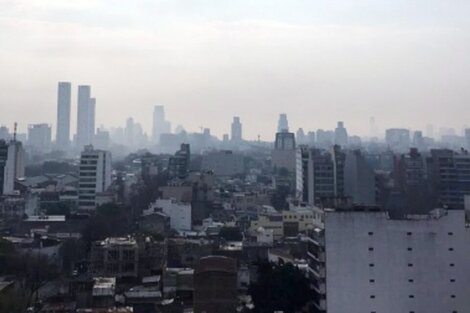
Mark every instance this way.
x=115 y=257
x=179 y=213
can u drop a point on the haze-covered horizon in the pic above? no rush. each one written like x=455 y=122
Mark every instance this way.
x=405 y=63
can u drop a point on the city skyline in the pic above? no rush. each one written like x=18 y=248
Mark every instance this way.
x=72 y=105
x=317 y=62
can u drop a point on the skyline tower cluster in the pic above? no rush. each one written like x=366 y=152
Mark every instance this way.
x=86 y=108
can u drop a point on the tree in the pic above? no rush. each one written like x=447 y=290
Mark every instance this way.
x=279 y=198
x=31 y=271
x=280 y=287
x=110 y=220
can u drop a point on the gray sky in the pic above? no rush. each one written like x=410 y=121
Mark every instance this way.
x=405 y=62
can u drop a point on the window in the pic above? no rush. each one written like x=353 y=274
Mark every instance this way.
x=452 y=280
x=450 y=233
x=371 y=233
x=410 y=264
x=451 y=249
x=451 y=264
x=372 y=297
x=411 y=296
x=371 y=280
x=371 y=264
x=371 y=249
x=409 y=233
x=452 y=296
x=410 y=249
x=411 y=280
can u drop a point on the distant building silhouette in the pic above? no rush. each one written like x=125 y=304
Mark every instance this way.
x=283 y=124
x=39 y=137
x=85 y=117
x=178 y=165
x=160 y=124
x=64 y=101
x=236 y=131
x=341 y=135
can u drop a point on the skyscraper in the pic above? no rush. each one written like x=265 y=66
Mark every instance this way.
x=91 y=121
x=236 y=130
x=341 y=135
x=63 y=114
x=283 y=124
x=14 y=164
x=84 y=116
x=160 y=125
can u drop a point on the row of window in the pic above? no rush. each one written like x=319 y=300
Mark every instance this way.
x=410 y=296
x=409 y=249
x=412 y=312
x=410 y=265
x=409 y=280
x=410 y=233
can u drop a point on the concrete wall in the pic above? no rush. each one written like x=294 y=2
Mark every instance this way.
x=408 y=261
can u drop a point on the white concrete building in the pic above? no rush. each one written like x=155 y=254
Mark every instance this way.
x=95 y=176
x=179 y=213
x=368 y=262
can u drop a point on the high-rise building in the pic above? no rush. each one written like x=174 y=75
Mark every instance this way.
x=85 y=117
x=467 y=137
x=283 y=124
x=366 y=261
x=129 y=132
x=301 y=137
x=215 y=285
x=325 y=138
x=102 y=139
x=94 y=176
x=449 y=175
x=4 y=133
x=236 y=132
x=14 y=164
x=341 y=135
x=320 y=174
x=3 y=162
x=92 y=120
x=359 y=179
x=418 y=140
x=284 y=153
x=64 y=102
x=160 y=124
x=178 y=165
x=39 y=137
x=398 y=139
x=410 y=182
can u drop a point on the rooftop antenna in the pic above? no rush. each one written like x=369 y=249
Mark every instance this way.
x=14 y=131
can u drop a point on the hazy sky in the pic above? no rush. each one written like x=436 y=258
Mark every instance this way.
x=405 y=62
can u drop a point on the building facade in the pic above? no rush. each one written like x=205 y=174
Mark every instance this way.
x=64 y=103
x=364 y=261
x=95 y=176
